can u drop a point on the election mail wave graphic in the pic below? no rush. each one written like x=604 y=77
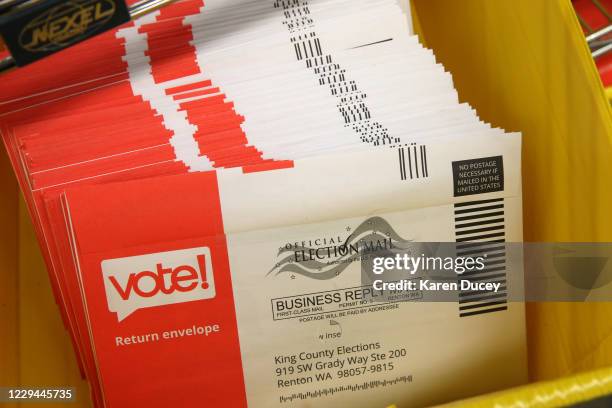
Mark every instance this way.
x=365 y=237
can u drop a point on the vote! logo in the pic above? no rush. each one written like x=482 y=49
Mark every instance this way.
x=158 y=279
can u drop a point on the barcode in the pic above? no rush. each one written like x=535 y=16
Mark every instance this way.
x=307 y=46
x=413 y=161
x=345 y=388
x=480 y=232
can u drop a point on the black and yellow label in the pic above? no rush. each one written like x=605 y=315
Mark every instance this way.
x=46 y=28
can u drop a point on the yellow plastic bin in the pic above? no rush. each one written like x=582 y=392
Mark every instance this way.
x=558 y=393
x=525 y=66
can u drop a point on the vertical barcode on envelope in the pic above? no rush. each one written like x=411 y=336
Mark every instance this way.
x=480 y=232
x=413 y=162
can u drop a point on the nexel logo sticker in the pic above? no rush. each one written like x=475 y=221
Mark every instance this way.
x=65 y=24
x=163 y=278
